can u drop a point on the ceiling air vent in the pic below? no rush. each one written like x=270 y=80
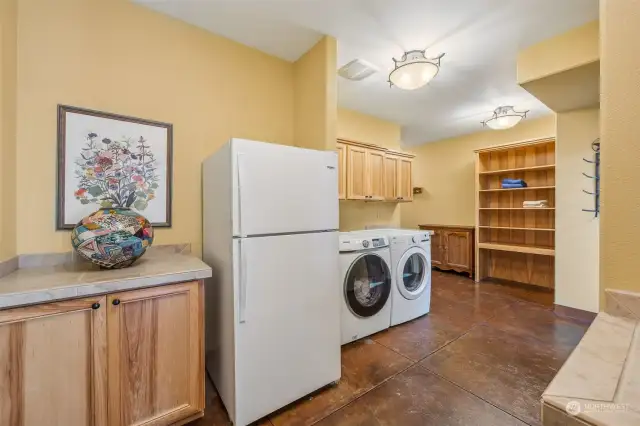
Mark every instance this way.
x=357 y=70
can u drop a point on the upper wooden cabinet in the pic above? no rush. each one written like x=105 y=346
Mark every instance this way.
x=53 y=364
x=372 y=173
x=398 y=177
x=342 y=168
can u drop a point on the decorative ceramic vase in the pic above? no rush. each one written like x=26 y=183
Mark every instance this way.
x=112 y=237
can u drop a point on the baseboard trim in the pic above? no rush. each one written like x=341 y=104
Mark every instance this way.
x=574 y=313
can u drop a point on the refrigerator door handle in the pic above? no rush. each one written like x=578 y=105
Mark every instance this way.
x=243 y=283
x=239 y=163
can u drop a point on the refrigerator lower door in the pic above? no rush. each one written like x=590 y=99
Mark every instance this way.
x=288 y=322
x=282 y=189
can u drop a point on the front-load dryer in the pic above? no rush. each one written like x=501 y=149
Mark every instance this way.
x=411 y=269
x=367 y=283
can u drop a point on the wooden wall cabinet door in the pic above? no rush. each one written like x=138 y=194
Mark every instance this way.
x=53 y=364
x=156 y=355
x=342 y=171
x=391 y=178
x=357 y=179
x=405 y=179
x=375 y=174
x=458 y=250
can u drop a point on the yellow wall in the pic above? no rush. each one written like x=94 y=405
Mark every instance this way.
x=118 y=57
x=577 y=232
x=360 y=127
x=446 y=171
x=574 y=48
x=316 y=100
x=620 y=135
x=8 y=25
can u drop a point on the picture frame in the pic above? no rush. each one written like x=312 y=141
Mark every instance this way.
x=111 y=160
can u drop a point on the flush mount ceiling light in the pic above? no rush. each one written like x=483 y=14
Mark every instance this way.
x=414 y=70
x=504 y=117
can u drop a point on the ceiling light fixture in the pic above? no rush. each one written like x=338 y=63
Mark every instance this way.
x=504 y=117
x=414 y=70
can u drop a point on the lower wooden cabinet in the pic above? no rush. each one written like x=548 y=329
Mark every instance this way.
x=139 y=353
x=53 y=364
x=452 y=247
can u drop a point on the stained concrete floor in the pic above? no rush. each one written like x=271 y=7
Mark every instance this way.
x=483 y=356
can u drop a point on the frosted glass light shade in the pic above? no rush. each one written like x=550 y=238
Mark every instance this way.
x=504 y=117
x=414 y=70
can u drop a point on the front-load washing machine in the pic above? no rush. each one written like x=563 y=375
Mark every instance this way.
x=411 y=272
x=367 y=283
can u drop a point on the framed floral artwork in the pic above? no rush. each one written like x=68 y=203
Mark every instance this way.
x=108 y=160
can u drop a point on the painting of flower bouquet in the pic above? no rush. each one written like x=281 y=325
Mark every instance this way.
x=107 y=160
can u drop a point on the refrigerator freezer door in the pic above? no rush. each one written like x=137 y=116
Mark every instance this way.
x=288 y=342
x=281 y=189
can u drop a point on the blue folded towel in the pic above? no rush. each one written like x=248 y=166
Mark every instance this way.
x=514 y=181
x=513 y=185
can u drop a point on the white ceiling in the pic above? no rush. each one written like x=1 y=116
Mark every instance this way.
x=480 y=39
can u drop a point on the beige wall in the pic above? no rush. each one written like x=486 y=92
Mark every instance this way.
x=8 y=39
x=315 y=92
x=446 y=171
x=360 y=127
x=118 y=57
x=577 y=232
x=620 y=136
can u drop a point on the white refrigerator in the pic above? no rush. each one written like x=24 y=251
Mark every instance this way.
x=270 y=220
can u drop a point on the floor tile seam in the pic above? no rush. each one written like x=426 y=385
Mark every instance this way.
x=448 y=343
x=472 y=393
x=363 y=394
x=523 y=337
x=395 y=351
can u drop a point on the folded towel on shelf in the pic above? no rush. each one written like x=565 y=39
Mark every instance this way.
x=535 y=204
x=514 y=181
x=513 y=185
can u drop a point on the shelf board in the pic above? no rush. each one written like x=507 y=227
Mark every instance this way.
x=517 y=189
x=518 y=248
x=520 y=169
x=515 y=228
x=517 y=208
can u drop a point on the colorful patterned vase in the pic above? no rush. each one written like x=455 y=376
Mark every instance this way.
x=112 y=237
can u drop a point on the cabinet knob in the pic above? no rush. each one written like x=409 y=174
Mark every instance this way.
x=95 y=306
x=116 y=302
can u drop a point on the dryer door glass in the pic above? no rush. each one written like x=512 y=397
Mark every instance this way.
x=367 y=285
x=413 y=272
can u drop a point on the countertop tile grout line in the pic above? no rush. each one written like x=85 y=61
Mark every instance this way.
x=469 y=392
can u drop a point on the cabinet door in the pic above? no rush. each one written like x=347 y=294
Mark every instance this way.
x=437 y=248
x=156 y=355
x=458 y=250
x=375 y=173
x=405 y=180
x=357 y=180
x=342 y=171
x=390 y=178
x=53 y=364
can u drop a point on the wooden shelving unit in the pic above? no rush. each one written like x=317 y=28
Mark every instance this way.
x=513 y=242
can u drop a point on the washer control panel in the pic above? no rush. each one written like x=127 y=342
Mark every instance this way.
x=351 y=243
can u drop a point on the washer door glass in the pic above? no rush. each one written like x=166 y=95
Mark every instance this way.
x=413 y=273
x=367 y=285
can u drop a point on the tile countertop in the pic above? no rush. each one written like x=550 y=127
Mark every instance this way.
x=30 y=286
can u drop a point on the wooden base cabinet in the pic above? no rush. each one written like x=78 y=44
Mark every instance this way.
x=139 y=353
x=452 y=247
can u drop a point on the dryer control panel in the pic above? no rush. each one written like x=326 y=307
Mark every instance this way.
x=362 y=243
